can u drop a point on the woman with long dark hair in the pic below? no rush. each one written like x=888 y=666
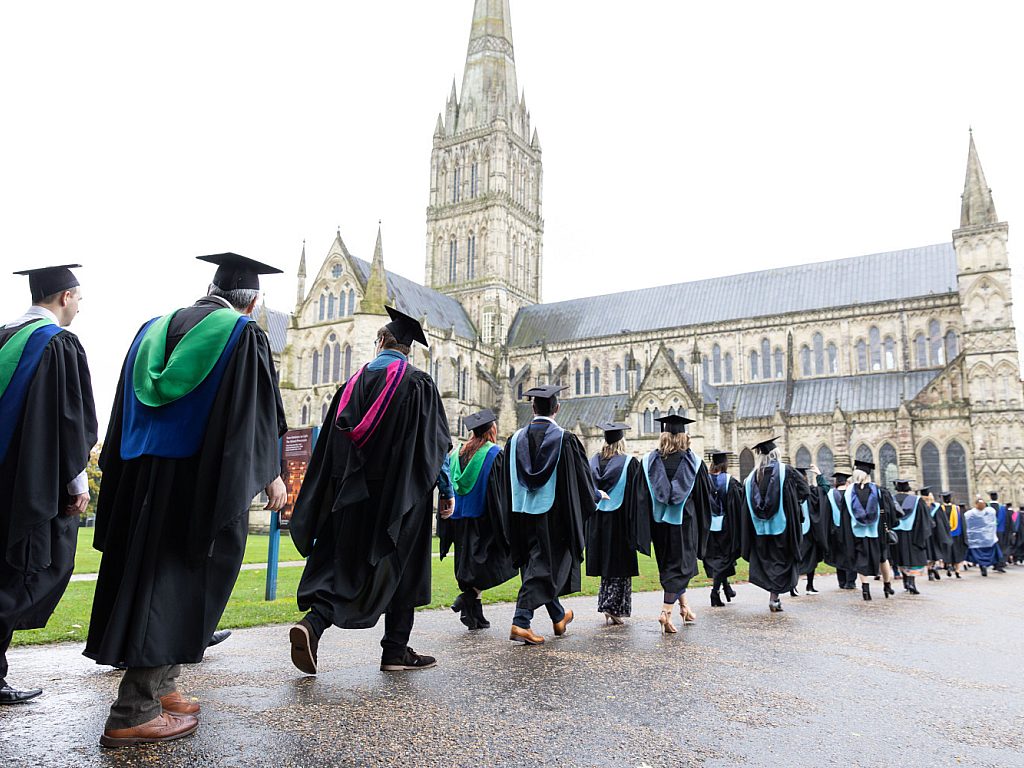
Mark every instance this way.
x=723 y=543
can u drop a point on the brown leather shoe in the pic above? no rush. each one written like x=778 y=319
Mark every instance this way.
x=177 y=704
x=304 y=644
x=561 y=625
x=527 y=636
x=165 y=727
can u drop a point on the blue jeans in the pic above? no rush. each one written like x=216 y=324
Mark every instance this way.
x=524 y=616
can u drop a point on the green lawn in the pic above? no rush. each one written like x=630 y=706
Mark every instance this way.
x=70 y=622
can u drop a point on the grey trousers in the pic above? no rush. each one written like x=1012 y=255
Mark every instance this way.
x=138 y=698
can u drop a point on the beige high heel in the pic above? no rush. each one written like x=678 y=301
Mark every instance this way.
x=689 y=617
x=611 y=618
x=666 y=622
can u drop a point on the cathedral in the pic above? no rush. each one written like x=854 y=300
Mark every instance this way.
x=917 y=372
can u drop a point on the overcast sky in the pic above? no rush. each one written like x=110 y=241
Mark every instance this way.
x=681 y=140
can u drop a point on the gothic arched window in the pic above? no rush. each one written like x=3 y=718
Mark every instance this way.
x=579 y=382
x=618 y=377
x=586 y=376
x=305 y=414
x=803 y=457
x=351 y=301
x=766 y=359
x=862 y=355
x=327 y=365
x=716 y=363
x=890 y=353
x=706 y=368
x=805 y=360
x=597 y=380
x=952 y=345
x=316 y=368
x=864 y=454
x=515 y=262
x=337 y=361
x=755 y=373
x=453 y=260
x=471 y=257
x=920 y=351
x=818 y=342
x=648 y=421
x=826 y=461
x=931 y=466
x=833 y=358
x=728 y=367
x=780 y=363
x=956 y=469
x=323 y=306
x=330 y=306
x=746 y=462
x=473 y=179
x=875 y=339
x=887 y=465
x=348 y=362
x=936 y=350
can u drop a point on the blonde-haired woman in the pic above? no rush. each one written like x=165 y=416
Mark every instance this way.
x=680 y=490
x=621 y=526
x=864 y=530
x=771 y=537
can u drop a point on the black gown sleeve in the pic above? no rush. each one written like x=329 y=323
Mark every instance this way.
x=640 y=503
x=735 y=511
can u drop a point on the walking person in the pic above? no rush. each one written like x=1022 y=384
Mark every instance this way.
x=723 y=541
x=864 y=513
x=956 y=552
x=983 y=537
x=47 y=429
x=813 y=533
x=939 y=541
x=476 y=525
x=192 y=438
x=834 y=510
x=912 y=526
x=621 y=526
x=363 y=516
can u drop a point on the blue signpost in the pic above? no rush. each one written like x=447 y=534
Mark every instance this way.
x=274 y=544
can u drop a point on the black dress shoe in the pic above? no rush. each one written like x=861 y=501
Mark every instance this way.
x=410 y=661
x=218 y=637
x=304 y=642
x=10 y=695
x=1000 y=569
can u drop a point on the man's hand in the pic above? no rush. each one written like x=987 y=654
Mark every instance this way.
x=445 y=507
x=277 y=495
x=77 y=505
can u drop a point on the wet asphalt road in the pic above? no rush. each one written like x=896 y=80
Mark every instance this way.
x=933 y=680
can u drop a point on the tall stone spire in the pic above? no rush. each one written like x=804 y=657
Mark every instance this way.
x=300 y=294
x=977 y=207
x=376 y=294
x=489 y=88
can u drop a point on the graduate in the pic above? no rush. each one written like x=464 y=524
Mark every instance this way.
x=192 y=438
x=983 y=537
x=723 y=542
x=913 y=527
x=939 y=541
x=680 y=490
x=956 y=551
x=773 y=492
x=864 y=515
x=1004 y=527
x=476 y=525
x=833 y=506
x=813 y=541
x=363 y=516
x=47 y=429
x=1018 y=542
x=550 y=496
x=621 y=526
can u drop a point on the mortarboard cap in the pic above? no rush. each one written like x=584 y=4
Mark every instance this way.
x=994 y=495
x=405 y=329
x=238 y=272
x=674 y=423
x=901 y=484
x=864 y=466
x=545 y=391
x=481 y=420
x=613 y=431
x=947 y=496
x=46 y=281
x=803 y=470
x=841 y=476
x=718 y=456
x=766 y=446
x=925 y=490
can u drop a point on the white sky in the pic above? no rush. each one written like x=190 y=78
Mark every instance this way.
x=681 y=140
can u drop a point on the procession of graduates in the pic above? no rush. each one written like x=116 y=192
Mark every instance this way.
x=193 y=437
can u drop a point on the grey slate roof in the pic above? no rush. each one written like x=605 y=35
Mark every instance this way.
x=859 y=280
x=585 y=410
x=277 y=325
x=442 y=312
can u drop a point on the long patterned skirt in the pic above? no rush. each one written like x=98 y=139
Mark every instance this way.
x=615 y=596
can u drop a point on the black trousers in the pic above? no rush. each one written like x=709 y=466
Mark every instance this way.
x=398 y=623
x=5 y=643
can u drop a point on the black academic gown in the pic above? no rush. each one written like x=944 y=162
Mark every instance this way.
x=1018 y=546
x=723 y=547
x=1006 y=537
x=677 y=548
x=939 y=542
x=548 y=548
x=814 y=544
x=958 y=543
x=774 y=559
x=911 y=549
x=48 y=448
x=363 y=516
x=862 y=555
x=482 y=559
x=835 y=553
x=615 y=536
x=172 y=531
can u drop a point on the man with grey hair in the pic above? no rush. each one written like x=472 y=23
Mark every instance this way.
x=47 y=428
x=192 y=438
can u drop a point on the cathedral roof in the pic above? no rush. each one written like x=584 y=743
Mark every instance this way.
x=930 y=269
x=277 y=327
x=587 y=411
x=442 y=312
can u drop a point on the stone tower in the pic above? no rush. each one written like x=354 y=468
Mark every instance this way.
x=991 y=363
x=484 y=220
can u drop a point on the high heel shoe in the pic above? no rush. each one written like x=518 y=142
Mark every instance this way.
x=775 y=606
x=888 y=590
x=716 y=599
x=686 y=612
x=611 y=618
x=730 y=593
x=666 y=623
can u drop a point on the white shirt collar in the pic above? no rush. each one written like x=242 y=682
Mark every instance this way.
x=35 y=312
x=544 y=418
